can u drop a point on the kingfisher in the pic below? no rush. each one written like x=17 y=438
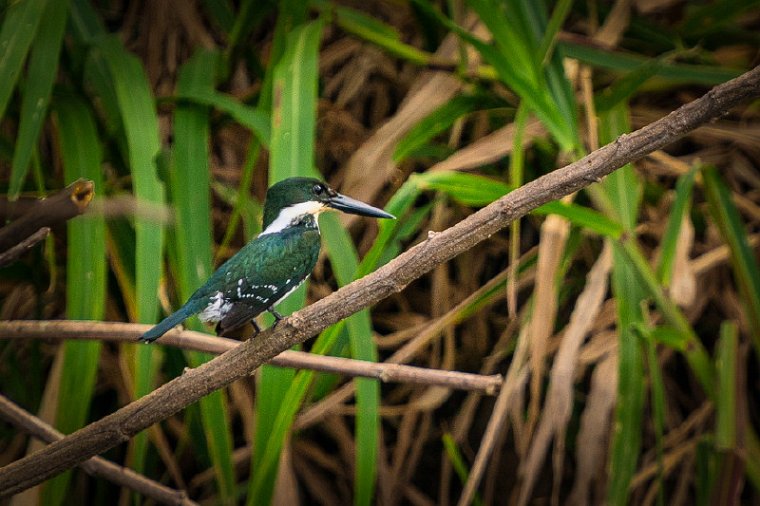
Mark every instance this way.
x=271 y=266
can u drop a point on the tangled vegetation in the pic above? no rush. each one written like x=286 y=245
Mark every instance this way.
x=624 y=320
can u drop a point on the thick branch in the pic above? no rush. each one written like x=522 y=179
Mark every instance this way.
x=64 y=205
x=393 y=277
x=96 y=466
x=196 y=341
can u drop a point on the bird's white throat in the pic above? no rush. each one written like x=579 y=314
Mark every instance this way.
x=291 y=213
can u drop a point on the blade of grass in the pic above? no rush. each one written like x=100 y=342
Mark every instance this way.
x=437 y=122
x=622 y=196
x=675 y=219
x=457 y=462
x=81 y=155
x=189 y=189
x=344 y=261
x=626 y=442
x=294 y=102
x=129 y=100
x=626 y=86
x=43 y=67
x=254 y=119
x=142 y=141
x=726 y=406
x=516 y=178
x=542 y=35
x=743 y=262
x=478 y=191
x=707 y=75
x=694 y=350
x=514 y=60
x=16 y=35
x=375 y=31
x=728 y=442
x=658 y=414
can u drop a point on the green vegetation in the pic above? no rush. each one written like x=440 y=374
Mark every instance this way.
x=432 y=109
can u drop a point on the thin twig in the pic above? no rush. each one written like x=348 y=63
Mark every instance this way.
x=197 y=341
x=57 y=208
x=393 y=277
x=96 y=466
x=9 y=256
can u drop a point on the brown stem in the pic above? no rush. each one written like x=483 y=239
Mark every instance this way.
x=120 y=426
x=196 y=341
x=96 y=466
x=48 y=212
x=10 y=255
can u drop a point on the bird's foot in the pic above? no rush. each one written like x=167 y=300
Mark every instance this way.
x=277 y=316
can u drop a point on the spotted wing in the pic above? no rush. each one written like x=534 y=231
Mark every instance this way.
x=262 y=273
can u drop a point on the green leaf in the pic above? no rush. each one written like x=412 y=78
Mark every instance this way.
x=477 y=191
x=626 y=438
x=252 y=118
x=726 y=405
x=127 y=97
x=140 y=122
x=673 y=228
x=514 y=57
x=707 y=75
x=43 y=67
x=457 y=462
x=344 y=261
x=16 y=34
x=624 y=88
x=294 y=108
x=466 y=188
x=189 y=190
x=376 y=32
x=622 y=187
x=81 y=155
x=666 y=335
x=659 y=410
x=743 y=261
x=583 y=217
x=435 y=123
x=293 y=117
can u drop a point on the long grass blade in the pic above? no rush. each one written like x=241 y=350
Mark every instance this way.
x=129 y=101
x=43 y=67
x=189 y=189
x=622 y=190
x=743 y=261
x=630 y=402
x=16 y=35
x=86 y=276
x=675 y=219
x=294 y=96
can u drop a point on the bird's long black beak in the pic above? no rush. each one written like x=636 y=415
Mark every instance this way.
x=353 y=206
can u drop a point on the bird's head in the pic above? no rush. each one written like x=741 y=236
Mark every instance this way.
x=292 y=198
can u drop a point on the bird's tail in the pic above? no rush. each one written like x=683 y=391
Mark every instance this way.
x=167 y=324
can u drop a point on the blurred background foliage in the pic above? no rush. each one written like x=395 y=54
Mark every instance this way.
x=626 y=318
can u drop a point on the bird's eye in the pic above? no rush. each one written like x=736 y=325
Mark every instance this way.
x=319 y=189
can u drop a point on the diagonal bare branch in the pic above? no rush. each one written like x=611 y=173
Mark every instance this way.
x=393 y=277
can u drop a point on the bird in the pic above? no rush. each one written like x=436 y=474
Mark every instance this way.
x=271 y=266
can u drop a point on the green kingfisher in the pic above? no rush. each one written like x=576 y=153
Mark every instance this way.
x=271 y=266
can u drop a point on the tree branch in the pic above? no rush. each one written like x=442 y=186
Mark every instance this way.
x=48 y=212
x=96 y=466
x=197 y=341
x=120 y=426
x=9 y=256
